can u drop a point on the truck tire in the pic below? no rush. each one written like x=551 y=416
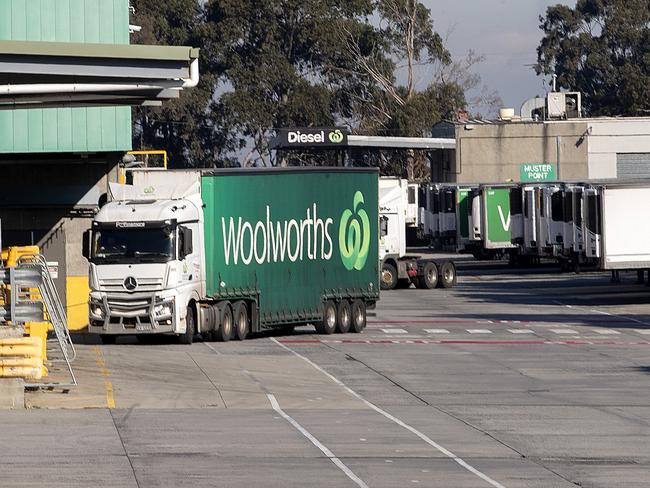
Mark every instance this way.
x=358 y=316
x=223 y=332
x=388 y=277
x=240 y=315
x=447 y=278
x=187 y=337
x=108 y=338
x=328 y=323
x=429 y=277
x=343 y=317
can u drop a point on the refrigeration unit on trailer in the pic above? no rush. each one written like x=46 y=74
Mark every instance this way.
x=463 y=218
x=230 y=252
x=591 y=227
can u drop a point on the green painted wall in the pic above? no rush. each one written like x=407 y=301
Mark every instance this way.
x=92 y=129
x=295 y=236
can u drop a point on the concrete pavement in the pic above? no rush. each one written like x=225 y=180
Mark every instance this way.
x=418 y=407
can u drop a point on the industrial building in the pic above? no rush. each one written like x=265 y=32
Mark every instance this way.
x=71 y=60
x=549 y=140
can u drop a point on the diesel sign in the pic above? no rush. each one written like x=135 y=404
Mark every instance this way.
x=310 y=137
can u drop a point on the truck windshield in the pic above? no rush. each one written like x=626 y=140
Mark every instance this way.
x=133 y=246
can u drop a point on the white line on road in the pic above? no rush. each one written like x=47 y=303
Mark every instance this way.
x=479 y=331
x=394 y=331
x=643 y=331
x=564 y=331
x=329 y=454
x=406 y=426
x=606 y=331
x=436 y=331
x=521 y=331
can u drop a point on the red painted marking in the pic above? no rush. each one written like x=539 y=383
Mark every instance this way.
x=452 y=341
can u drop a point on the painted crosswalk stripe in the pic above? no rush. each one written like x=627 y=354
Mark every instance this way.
x=394 y=331
x=436 y=331
x=564 y=331
x=479 y=331
x=606 y=331
x=521 y=331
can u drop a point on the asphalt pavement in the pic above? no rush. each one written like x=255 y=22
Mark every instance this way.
x=515 y=378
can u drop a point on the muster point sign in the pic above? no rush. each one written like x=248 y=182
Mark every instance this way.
x=537 y=172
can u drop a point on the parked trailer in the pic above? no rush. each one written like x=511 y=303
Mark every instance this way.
x=399 y=270
x=230 y=252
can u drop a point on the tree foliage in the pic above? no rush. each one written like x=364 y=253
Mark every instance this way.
x=180 y=126
x=297 y=63
x=602 y=49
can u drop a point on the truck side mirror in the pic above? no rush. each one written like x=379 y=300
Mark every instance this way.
x=85 y=245
x=186 y=242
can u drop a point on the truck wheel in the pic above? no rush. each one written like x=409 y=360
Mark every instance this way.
x=344 y=317
x=358 y=316
x=388 y=277
x=187 y=337
x=429 y=277
x=240 y=312
x=223 y=333
x=328 y=323
x=107 y=338
x=447 y=275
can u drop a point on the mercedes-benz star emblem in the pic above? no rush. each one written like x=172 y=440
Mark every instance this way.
x=130 y=283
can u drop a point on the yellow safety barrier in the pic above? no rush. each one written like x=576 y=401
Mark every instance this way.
x=22 y=357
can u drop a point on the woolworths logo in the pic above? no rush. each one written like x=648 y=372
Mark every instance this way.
x=302 y=239
x=354 y=235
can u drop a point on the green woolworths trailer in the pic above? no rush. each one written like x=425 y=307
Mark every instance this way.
x=291 y=240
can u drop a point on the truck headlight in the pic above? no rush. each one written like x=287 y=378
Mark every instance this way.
x=96 y=310
x=165 y=309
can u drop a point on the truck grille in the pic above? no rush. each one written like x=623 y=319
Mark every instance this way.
x=129 y=305
x=144 y=284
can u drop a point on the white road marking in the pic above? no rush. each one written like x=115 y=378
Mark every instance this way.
x=564 y=331
x=643 y=331
x=394 y=331
x=479 y=331
x=436 y=331
x=329 y=454
x=606 y=331
x=521 y=331
x=406 y=426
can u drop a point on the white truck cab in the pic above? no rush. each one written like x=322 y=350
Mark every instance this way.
x=144 y=249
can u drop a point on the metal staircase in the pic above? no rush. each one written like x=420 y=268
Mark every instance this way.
x=40 y=288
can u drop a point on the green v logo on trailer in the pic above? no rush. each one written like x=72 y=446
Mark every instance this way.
x=498 y=220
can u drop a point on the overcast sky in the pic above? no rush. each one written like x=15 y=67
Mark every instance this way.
x=506 y=32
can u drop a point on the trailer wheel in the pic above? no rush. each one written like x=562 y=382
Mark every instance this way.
x=240 y=313
x=429 y=277
x=358 y=316
x=328 y=324
x=344 y=317
x=187 y=337
x=388 y=277
x=447 y=278
x=223 y=332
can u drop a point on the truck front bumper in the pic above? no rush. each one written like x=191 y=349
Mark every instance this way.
x=131 y=313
